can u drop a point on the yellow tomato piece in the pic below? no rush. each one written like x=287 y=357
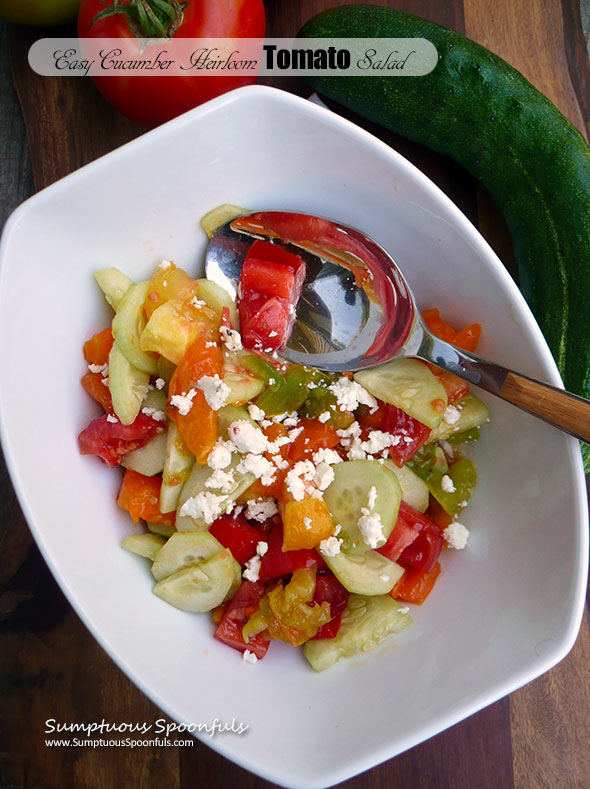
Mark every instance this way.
x=175 y=325
x=166 y=284
x=305 y=524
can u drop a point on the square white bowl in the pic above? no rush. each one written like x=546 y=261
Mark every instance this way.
x=504 y=610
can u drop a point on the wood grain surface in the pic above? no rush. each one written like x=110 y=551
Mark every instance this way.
x=52 y=667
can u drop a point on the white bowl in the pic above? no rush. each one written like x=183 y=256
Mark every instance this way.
x=505 y=610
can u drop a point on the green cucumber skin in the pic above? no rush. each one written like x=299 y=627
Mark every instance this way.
x=483 y=113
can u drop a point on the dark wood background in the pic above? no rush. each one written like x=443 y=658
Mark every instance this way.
x=51 y=666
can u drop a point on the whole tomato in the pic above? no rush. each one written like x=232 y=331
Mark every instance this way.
x=154 y=99
x=39 y=12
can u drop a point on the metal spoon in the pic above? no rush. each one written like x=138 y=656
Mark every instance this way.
x=356 y=310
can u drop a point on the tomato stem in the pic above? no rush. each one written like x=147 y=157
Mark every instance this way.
x=147 y=18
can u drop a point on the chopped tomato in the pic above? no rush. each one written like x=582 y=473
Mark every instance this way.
x=398 y=423
x=468 y=337
x=455 y=387
x=416 y=585
x=198 y=427
x=98 y=347
x=140 y=496
x=369 y=419
x=277 y=562
x=437 y=326
x=402 y=535
x=244 y=603
x=437 y=514
x=329 y=589
x=111 y=440
x=314 y=436
x=267 y=278
x=93 y=383
x=236 y=534
x=306 y=523
x=166 y=284
x=264 y=250
x=424 y=551
x=268 y=327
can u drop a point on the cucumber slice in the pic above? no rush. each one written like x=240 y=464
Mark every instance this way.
x=149 y=459
x=195 y=484
x=218 y=298
x=201 y=587
x=127 y=384
x=366 y=622
x=161 y=528
x=155 y=398
x=472 y=413
x=220 y=216
x=178 y=462
x=183 y=549
x=146 y=545
x=229 y=414
x=114 y=284
x=368 y=573
x=242 y=386
x=407 y=384
x=129 y=323
x=349 y=494
x=414 y=489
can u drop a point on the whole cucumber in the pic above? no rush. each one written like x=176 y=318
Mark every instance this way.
x=479 y=110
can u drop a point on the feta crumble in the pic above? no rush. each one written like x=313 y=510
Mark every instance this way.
x=184 y=402
x=112 y=418
x=371 y=528
x=447 y=484
x=324 y=416
x=160 y=383
x=330 y=546
x=350 y=394
x=451 y=415
x=249 y=657
x=165 y=264
x=252 y=569
x=258 y=465
x=303 y=471
x=246 y=437
x=154 y=413
x=220 y=455
x=257 y=414
x=372 y=497
x=324 y=476
x=307 y=522
x=261 y=509
x=456 y=535
x=204 y=506
x=221 y=480
x=215 y=391
x=231 y=338
x=103 y=369
x=324 y=455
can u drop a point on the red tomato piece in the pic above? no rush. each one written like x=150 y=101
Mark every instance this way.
x=456 y=388
x=277 y=562
x=416 y=585
x=398 y=423
x=269 y=328
x=329 y=589
x=243 y=604
x=424 y=551
x=111 y=440
x=93 y=383
x=264 y=250
x=237 y=535
x=140 y=496
x=401 y=536
x=267 y=278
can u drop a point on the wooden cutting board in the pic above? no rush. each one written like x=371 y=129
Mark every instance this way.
x=52 y=667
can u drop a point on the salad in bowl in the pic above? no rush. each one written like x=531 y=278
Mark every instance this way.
x=289 y=503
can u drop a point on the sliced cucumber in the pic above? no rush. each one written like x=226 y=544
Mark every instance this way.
x=229 y=414
x=161 y=528
x=195 y=484
x=414 y=489
x=178 y=462
x=368 y=573
x=146 y=545
x=407 y=384
x=184 y=549
x=114 y=284
x=218 y=298
x=243 y=387
x=220 y=216
x=201 y=587
x=366 y=622
x=149 y=459
x=129 y=323
x=348 y=495
x=155 y=398
x=127 y=384
x=472 y=413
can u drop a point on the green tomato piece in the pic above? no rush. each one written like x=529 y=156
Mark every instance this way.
x=290 y=393
x=464 y=479
x=322 y=400
x=465 y=437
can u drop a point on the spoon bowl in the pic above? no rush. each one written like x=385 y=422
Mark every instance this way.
x=356 y=310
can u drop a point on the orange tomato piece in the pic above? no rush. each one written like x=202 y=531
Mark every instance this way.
x=168 y=283
x=305 y=524
x=437 y=326
x=140 y=496
x=468 y=337
x=315 y=435
x=198 y=427
x=416 y=585
x=98 y=347
x=93 y=383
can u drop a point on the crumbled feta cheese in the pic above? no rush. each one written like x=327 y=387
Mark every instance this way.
x=302 y=472
x=257 y=414
x=184 y=402
x=220 y=455
x=246 y=437
x=350 y=394
x=160 y=383
x=204 y=506
x=291 y=420
x=231 y=338
x=372 y=497
x=447 y=485
x=103 y=369
x=349 y=433
x=195 y=302
x=249 y=657
x=271 y=381
x=261 y=509
x=261 y=548
x=324 y=455
x=154 y=413
x=307 y=522
x=112 y=418
x=280 y=462
x=215 y=391
x=451 y=415
x=258 y=465
x=252 y=569
x=356 y=451
x=294 y=433
x=324 y=476
x=337 y=529
x=456 y=535
x=378 y=441
x=210 y=344
x=405 y=610
x=408 y=439
x=330 y=546
x=280 y=417
x=324 y=416
x=221 y=480
x=165 y=264
x=371 y=528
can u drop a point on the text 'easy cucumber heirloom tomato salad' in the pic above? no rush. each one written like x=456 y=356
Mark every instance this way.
x=290 y=503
